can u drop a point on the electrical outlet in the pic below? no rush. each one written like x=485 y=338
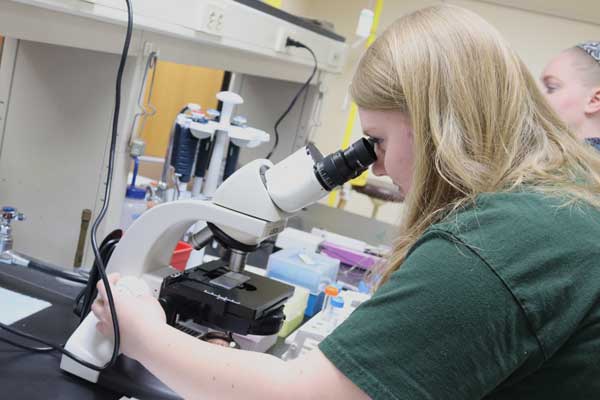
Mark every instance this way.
x=214 y=22
x=280 y=39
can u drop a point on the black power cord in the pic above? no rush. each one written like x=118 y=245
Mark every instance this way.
x=293 y=43
x=111 y=163
x=29 y=348
x=99 y=261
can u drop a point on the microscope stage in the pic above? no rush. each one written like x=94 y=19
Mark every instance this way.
x=201 y=294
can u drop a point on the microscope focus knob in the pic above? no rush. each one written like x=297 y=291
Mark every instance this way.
x=167 y=304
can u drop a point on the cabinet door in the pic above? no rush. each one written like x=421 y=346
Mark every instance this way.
x=56 y=136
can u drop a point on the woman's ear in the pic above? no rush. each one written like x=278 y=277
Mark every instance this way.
x=593 y=105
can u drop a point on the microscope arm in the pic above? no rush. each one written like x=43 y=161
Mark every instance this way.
x=147 y=246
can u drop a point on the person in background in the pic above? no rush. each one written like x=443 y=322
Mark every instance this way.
x=492 y=290
x=571 y=83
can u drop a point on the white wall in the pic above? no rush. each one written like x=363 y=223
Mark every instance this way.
x=296 y=7
x=328 y=137
x=582 y=10
x=537 y=37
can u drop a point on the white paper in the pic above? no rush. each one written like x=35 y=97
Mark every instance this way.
x=15 y=306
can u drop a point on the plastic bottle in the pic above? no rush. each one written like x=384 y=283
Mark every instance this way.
x=334 y=313
x=133 y=206
x=135 y=199
x=330 y=292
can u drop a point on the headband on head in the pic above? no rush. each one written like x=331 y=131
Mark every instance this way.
x=592 y=48
x=594 y=141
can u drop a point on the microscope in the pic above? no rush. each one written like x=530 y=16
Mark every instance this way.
x=250 y=206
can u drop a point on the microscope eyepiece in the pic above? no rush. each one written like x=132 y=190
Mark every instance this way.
x=306 y=176
x=343 y=165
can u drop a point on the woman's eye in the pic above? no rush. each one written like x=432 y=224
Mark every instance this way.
x=377 y=143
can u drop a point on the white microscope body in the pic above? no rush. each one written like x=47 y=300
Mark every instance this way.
x=250 y=206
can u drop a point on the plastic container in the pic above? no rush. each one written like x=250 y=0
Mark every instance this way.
x=133 y=206
x=335 y=311
x=333 y=314
x=309 y=270
x=259 y=344
x=315 y=304
x=181 y=254
x=331 y=291
x=292 y=238
x=294 y=311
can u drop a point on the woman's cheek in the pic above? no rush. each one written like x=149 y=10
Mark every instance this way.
x=379 y=168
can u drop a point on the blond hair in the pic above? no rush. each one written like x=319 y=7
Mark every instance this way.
x=480 y=123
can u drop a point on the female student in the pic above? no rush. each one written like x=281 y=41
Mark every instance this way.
x=493 y=288
x=571 y=84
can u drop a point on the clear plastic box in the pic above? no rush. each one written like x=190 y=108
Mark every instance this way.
x=299 y=267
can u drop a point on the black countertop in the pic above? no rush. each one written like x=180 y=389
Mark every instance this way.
x=31 y=376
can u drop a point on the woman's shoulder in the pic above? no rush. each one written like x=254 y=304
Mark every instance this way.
x=520 y=212
x=543 y=248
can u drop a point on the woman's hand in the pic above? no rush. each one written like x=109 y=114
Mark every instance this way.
x=137 y=316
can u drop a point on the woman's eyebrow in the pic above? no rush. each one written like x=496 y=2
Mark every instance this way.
x=372 y=138
x=548 y=78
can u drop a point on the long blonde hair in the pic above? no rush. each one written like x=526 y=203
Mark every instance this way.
x=480 y=123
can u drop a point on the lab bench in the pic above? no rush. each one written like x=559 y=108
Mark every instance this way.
x=34 y=376
x=31 y=376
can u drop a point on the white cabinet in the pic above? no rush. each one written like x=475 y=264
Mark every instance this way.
x=57 y=78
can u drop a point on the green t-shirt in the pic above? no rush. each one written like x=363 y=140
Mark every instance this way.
x=499 y=301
